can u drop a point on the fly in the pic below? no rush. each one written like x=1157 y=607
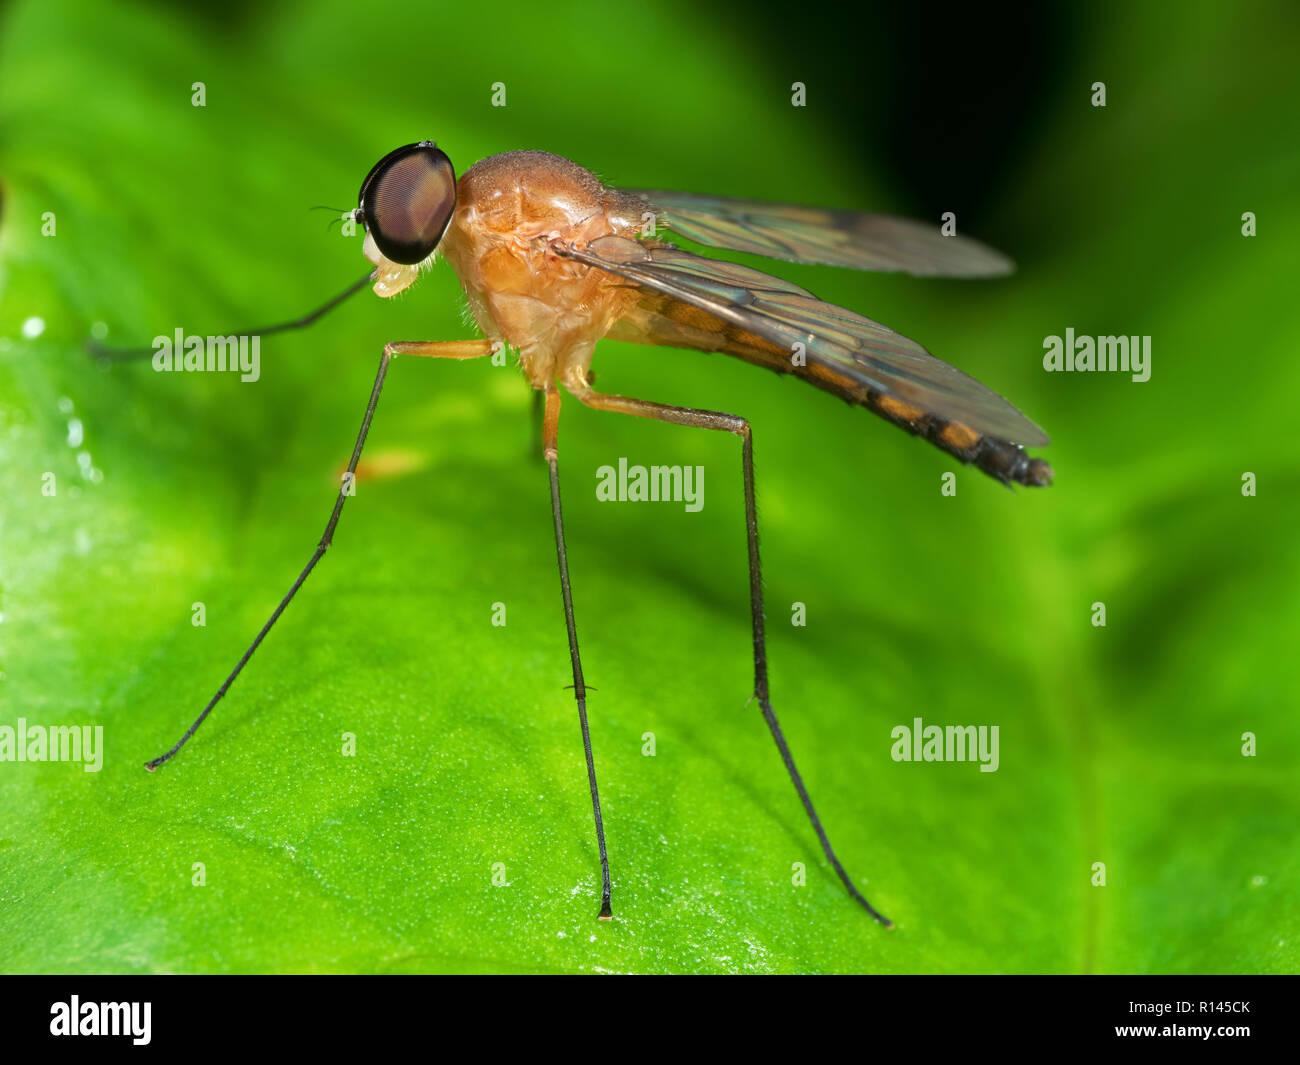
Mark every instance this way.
x=551 y=260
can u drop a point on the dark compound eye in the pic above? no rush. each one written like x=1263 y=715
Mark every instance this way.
x=407 y=200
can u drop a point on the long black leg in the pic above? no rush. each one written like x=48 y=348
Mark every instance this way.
x=451 y=349
x=704 y=419
x=321 y=548
x=760 y=678
x=550 y=433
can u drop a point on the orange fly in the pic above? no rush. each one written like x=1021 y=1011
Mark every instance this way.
x=551 y=260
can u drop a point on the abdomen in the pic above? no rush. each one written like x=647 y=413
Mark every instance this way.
x=659 y=319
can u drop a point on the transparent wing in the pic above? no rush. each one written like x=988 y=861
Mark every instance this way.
x=824 y=236
x=767 y=316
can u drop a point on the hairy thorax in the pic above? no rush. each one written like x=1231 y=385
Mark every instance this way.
x=509 y=208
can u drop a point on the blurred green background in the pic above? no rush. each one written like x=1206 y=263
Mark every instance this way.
x=1119 y=745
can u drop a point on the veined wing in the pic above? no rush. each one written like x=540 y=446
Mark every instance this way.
x=768 y=317
x=825 y=236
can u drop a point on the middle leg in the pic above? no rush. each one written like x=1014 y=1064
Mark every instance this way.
x=550 y=439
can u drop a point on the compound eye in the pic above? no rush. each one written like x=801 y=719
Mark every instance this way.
x=407 y=201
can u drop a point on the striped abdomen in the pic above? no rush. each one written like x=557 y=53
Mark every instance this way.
x=1001 y=459
x=658 y=319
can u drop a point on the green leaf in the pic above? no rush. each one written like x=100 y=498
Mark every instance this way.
x=1120 y=745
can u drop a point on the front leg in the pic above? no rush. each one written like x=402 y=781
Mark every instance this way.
x=449 y=349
